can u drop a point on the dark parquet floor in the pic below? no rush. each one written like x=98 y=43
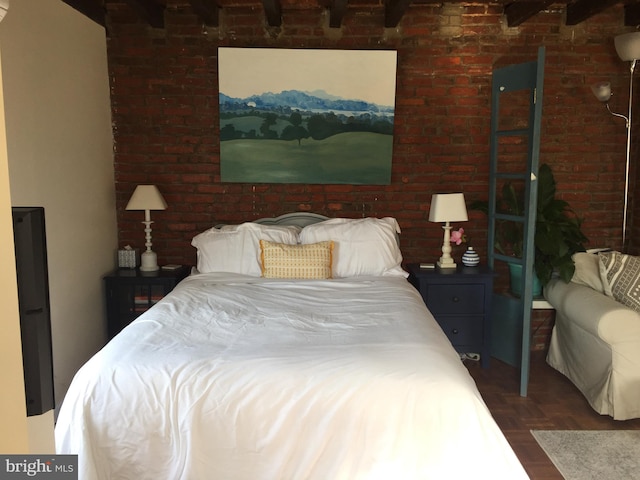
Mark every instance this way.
x=552 y=403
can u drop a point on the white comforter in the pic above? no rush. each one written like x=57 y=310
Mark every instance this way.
x=232 y=377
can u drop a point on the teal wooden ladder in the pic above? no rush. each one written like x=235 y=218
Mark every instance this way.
x=516 y=113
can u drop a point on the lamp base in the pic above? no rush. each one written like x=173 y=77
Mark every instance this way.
x=446 y=260
x=149 y=262
x=446 y=263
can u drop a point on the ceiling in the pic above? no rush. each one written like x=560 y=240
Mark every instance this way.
x=516 y=11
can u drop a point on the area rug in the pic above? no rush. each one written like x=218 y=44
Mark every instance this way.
x=592 y=454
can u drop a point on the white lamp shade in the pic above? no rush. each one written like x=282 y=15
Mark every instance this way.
x=602 y=91
x=146 y=197
x=448 y=207
x=628 y=46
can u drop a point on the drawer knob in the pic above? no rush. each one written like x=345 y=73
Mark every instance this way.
x=454 y=331
x=455 y=299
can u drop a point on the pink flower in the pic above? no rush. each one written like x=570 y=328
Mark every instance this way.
x=458 y=236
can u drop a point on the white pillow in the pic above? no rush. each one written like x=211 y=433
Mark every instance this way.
x=364 y=246
x=236 y=248
x=587 y=270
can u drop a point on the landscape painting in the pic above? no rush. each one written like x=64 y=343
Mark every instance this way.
x=306 y=115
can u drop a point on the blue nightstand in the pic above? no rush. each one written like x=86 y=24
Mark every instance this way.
x=460 y=301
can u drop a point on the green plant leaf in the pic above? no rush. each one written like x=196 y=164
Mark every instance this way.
x=558 y=232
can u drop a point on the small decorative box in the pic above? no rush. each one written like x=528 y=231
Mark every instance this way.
x=128 y=258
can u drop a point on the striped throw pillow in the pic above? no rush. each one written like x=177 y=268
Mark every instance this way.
x=620 y=274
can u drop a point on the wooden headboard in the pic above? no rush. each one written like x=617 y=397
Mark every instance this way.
x=299 y=219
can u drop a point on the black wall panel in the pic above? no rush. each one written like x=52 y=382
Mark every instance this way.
x=35 y=319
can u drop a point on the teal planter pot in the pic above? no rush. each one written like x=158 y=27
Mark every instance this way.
x=515 y=271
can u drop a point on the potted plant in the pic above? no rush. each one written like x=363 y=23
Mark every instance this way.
x=558 y=232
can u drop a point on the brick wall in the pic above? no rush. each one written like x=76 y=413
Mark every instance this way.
x=165 y=116
x=542 y=322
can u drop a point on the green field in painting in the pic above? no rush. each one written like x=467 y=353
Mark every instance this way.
x=348 y=158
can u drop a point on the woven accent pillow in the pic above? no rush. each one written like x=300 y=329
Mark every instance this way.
x=310 y=261
x=620 y=274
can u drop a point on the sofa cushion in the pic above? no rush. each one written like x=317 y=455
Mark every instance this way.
x=620 y=274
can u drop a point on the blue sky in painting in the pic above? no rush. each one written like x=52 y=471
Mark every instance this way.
x=368 y=75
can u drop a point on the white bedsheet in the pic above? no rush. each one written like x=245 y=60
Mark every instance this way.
x=232 y=377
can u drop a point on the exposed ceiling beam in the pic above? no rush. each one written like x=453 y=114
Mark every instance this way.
x=519 y=12
x=149 y=10
x=581 y=10
x=92 y=10
x=394 y=10
x=207 y=10
x=336 y=13
x=273 y=12
x=516 y=11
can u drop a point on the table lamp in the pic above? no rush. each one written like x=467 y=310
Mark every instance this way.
x=447 y=207
x=147 y=198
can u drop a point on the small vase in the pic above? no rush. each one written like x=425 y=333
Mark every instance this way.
x=470 y=258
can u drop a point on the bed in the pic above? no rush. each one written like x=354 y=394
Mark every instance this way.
x=254 y=374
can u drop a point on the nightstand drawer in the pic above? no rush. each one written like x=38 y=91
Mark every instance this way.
x=462 y=330
x=456 y=299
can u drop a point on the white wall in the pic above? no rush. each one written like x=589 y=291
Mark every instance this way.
x=60 y=151
x=13 y=412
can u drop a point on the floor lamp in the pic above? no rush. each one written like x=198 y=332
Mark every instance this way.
x=628 y=48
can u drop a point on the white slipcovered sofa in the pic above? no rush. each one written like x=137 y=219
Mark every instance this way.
x=596 y=338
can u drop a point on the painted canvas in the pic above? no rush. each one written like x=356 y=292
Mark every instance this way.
x=306 y=115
